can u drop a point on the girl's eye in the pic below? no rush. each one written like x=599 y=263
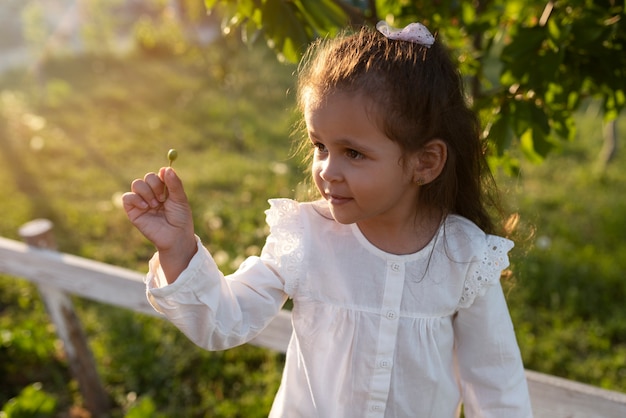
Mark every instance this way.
x=354 y=155
x=319 y=147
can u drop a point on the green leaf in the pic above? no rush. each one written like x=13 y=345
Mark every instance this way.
x=509 y=164
x=507 y=78
x=500 y=134
x=209 y=4
x=588 y=31
x=527 y=144
x=284 y=29
x=31 y=402
x=573 y=99
x=554 y=30
x=613 y=104
x=144 y=408
x=539 y=119
x=525 y=43
x=468 y=12
x=324 y=15
x=564 y=125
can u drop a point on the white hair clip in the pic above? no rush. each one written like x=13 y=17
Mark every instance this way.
x=414 y=32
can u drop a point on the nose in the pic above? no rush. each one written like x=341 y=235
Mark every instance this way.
x=328 y=169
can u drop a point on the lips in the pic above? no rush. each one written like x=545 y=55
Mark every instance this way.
x=335 y=199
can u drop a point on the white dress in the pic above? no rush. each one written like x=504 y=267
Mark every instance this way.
x=375 y=334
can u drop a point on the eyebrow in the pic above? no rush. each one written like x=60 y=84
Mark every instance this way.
x=345 y=142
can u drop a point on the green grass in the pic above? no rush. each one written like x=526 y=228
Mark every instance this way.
x=72 y=143
x=569 y=292
x=73 y=139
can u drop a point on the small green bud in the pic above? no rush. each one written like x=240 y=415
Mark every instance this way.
x=172 y=155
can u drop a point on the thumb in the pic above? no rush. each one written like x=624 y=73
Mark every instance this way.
x=175 y=189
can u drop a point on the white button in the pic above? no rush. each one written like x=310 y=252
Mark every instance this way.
x=385 y=364
x=376 y=407
x=391 y=315
x=395 y=267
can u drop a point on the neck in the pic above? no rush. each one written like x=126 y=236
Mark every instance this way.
x=403 y=238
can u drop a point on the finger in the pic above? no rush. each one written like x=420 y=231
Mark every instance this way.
x=133 y=204
x=175 y=188
x=145 y=192
x=133 y=200
x=156 y=184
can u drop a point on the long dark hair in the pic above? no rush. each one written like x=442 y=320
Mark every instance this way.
x=417 y=94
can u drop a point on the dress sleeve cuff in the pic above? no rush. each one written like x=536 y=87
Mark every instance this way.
x=157 y=282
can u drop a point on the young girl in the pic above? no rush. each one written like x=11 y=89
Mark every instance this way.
x=394 y=274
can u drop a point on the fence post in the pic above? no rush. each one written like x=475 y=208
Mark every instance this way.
x=38 y=233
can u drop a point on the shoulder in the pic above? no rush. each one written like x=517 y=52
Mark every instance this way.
x=484 y=255
x=283 y=206
x=462 y=227
x=464 y=237
x=288 y=247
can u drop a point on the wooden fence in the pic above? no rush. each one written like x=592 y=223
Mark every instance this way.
x=59 y=275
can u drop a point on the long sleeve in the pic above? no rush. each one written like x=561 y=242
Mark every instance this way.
x=214 y=311
x=493 y=381
x=218 y=312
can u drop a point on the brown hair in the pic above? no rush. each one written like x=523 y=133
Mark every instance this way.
x=417 y=94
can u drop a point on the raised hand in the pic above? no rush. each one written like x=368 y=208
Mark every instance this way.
x=158 y=207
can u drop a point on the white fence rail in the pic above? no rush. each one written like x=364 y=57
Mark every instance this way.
x=58 y=275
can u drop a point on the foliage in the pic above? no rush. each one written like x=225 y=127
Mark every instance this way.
x=551 y=56
x=32 y=402
x=288 y=26
x=28 y=352
x=161 y=36
x=569 y=284
x=574 y=51
x=144 y=408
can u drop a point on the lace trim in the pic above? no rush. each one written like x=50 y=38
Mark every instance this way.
x=287 y=234
x=486 y=271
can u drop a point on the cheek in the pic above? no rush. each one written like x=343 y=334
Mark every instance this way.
x=315 y=172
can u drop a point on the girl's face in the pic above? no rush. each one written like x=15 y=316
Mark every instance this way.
x=356 y=167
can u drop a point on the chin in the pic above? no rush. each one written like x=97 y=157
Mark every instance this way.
x=344 y=220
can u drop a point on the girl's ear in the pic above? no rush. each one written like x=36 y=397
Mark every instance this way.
x=429 y=161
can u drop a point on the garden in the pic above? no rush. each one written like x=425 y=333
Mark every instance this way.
x=78 y=128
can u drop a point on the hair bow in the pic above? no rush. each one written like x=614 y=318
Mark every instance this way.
x=414 y=32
